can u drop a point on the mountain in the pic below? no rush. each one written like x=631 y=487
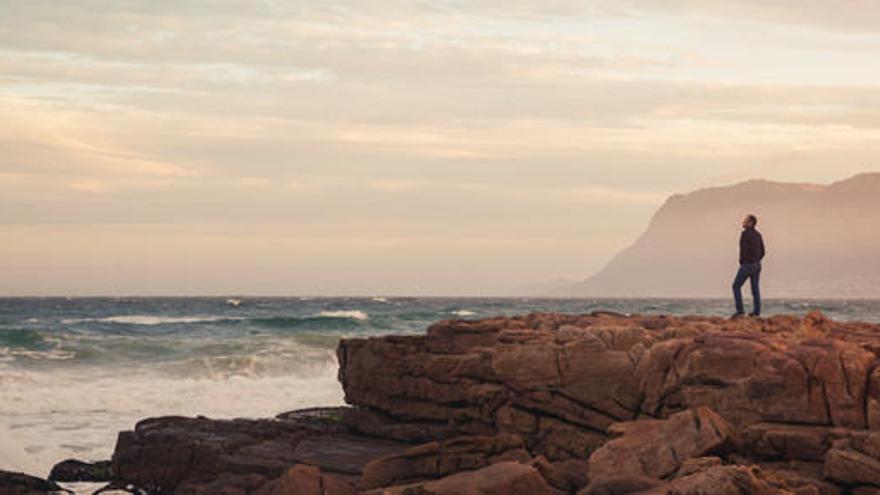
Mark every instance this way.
x=822 y=241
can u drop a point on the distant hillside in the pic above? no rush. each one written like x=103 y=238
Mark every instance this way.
x=822 y=241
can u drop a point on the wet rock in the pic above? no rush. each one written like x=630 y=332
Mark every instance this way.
x=74 y=470
x=23 y=484
x=658 y=404
x=164 y=453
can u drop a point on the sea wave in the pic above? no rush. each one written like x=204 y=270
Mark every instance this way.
x=78 y=413
x=8 y=354
x=280 y=359
x=354 y=314
x=152 y=320
x=463 y=312
x=21 y=337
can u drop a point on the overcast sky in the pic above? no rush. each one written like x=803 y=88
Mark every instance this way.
x=400 y=147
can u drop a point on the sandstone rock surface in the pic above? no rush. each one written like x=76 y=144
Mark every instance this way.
x=594 y=404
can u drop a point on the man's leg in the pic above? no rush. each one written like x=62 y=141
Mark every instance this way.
x=738 y=282
x=755 y=279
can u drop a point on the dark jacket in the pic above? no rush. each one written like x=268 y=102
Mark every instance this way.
x=751 y=246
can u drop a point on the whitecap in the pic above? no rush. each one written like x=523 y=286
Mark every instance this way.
x=354 y=314
x=380 y=299
x=463 y=312
x=151 y=319
x=51 y=355
x=77 y=413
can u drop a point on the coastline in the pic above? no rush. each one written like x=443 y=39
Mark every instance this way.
x=556 y=404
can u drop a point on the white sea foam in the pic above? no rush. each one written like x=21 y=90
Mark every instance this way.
x=354 y=314
x=49 y=416
x=152 y=319
x=380 y=299
x=9 y=354
x=463 y=312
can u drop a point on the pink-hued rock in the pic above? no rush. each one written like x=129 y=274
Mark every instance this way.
x=547 y=403
x=657 y=448
x=504 y=478
x=724 y=480
x=436 y=460
x=852 y=467
x=303 y=479
x=561 y=381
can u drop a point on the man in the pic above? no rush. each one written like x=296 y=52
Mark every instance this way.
x=751 y=252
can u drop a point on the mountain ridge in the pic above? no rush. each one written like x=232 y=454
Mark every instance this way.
x=822 y=242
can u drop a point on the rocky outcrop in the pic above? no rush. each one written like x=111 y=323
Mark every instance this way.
x=199 y=455
x=658 y=448
x=546 y=403
x=23 y=484
x=562 y=381
x=74 y=470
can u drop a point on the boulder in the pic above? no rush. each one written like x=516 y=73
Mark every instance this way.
x=567 y=476
x=303 y=479
x=162 y=454
x=12 y=483
x=75 y=470
x=439 y=459
x=851 y=467
x=503 y=478
x=657 y=448
x=723 y=480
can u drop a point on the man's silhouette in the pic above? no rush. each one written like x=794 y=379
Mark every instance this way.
x=751 y=252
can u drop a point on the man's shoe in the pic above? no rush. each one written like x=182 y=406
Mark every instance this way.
x=737 y=316
x=754 y=315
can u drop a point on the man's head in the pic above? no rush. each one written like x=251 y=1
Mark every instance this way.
x=750 y=221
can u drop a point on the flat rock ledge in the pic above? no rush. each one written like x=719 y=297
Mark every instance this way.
x=594 y=404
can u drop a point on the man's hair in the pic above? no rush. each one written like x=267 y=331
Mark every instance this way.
x=753 y=219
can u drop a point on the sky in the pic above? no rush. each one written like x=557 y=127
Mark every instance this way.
x=472 y=147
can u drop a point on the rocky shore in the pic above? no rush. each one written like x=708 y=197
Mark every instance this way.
x=594 y=404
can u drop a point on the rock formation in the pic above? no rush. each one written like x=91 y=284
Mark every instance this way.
x=23 y=484
x=553 y=404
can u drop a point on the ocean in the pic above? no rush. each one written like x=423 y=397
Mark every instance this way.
x=74 y=372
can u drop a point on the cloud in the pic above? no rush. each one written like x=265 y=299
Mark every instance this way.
x=89 y=185
x=859 y=15
x=396 y=120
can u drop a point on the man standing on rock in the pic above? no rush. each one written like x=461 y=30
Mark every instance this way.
x=751 y=252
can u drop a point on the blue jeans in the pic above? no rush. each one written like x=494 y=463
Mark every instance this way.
x=751 y=272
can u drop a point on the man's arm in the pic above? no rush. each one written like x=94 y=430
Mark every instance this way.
x=761 y=250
